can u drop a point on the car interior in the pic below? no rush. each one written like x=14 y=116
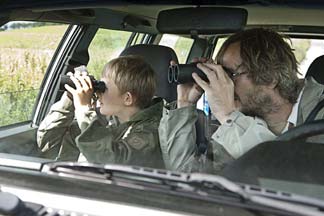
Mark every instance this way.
x=205 y=26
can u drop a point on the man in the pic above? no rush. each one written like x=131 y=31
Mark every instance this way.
x=253 y=91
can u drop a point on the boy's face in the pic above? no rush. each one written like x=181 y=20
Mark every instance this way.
x=111 y=101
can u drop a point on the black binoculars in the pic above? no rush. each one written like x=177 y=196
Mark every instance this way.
x=182 y=73
x=98 y=86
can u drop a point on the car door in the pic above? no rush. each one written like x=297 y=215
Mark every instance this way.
x=33 y=56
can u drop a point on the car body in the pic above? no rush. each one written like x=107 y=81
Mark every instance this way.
x=83 y=32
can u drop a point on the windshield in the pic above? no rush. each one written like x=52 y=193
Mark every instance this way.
x=230 y=112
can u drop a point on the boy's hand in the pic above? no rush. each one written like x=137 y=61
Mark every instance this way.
x=83 y=92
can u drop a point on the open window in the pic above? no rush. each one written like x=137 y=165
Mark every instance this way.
x=26 y=51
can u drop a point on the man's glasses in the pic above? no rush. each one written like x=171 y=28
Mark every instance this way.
x=233 y=74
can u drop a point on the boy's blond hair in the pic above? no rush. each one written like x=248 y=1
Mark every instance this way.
x=132 y=74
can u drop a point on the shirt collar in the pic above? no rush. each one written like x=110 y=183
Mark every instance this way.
x=294 y=112
x=292 y=118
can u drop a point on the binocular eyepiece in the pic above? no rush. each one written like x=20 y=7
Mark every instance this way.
x=98 y=86
x=182 y=73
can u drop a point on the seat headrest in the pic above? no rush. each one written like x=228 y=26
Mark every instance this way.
x=159 y=58
x=316 y=69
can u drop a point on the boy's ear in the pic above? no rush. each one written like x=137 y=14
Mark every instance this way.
x=129 y=99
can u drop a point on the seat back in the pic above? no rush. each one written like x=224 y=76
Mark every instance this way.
x=159 y=58
x=316 y=69
x=296 y=160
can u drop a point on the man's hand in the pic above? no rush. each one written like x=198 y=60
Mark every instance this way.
x=219 y=90
x=189 y=93
x=83 y=92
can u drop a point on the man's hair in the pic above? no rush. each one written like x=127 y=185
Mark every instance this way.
x=132 y=74
x=268 y=59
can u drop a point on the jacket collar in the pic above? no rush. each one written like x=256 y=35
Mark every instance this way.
x=153 y=111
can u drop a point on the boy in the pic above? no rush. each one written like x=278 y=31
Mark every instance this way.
x=130 y=86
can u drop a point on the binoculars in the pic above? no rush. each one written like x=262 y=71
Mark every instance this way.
x=182 y=73
x=98 y=86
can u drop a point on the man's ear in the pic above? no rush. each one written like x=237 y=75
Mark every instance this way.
x=273 y=85
x=129 y=99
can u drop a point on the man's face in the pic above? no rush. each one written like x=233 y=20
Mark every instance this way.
x=250 y=98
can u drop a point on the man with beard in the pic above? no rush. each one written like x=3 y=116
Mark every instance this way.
x=253 y=91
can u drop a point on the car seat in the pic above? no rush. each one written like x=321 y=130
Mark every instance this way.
x=159 y=58
x=316 y=69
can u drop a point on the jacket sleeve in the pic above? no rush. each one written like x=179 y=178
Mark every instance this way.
x=178 y=140
x=120 y=144
x=56 y=128
x=177 y=136
x=240 y=133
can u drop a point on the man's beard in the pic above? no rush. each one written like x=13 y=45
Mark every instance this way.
x=258 y=103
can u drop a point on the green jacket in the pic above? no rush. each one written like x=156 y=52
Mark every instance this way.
x=57 y=132
x=134 y=142
x=230 y=141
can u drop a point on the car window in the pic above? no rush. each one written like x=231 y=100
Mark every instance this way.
x=219 y=43
x=305 y=50
x=26 y=50
x=181 y=45
x=106 y=45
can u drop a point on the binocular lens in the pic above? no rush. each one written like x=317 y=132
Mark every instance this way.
x=182 y=73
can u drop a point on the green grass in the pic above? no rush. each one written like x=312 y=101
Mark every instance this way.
x=29 y=38
x=25 y=55
x=106 y=45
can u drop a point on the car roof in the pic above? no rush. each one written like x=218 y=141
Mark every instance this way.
x=288 y=15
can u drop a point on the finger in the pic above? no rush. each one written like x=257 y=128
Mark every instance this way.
x=211 y=75
x=204 y=85
x=76 y=82
x=69 y=89
x=69 y=73
x=219 y=71
x=84 y=83
x=89 y=81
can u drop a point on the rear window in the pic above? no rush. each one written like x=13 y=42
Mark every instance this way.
x=180 y=45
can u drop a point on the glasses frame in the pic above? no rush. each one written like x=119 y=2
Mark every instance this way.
x=233 y=73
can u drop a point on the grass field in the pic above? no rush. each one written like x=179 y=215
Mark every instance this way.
x=24 y=57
